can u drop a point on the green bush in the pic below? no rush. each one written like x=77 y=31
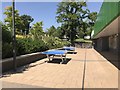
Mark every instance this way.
x=28 y=45
x=6 y=42
x=7 y=50
x=6 y=35
x=20 y=43
x=66 y=43
x=38 y=45
x=55 y=42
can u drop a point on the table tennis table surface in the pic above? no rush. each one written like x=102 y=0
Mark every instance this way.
x=69 y=48
x=55 y=52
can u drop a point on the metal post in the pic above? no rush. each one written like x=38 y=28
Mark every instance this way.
x=14 y=35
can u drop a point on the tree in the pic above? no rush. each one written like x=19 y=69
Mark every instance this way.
x=37 y=30
x=60 y=32
x=72 y=16
x=92 y=18
x=9 y=19
x=22 y=23
x=52 y=31
x=26 y=20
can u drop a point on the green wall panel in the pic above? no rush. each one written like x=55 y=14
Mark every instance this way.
x=108 y=12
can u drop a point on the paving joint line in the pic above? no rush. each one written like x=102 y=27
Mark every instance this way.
x=84 y=69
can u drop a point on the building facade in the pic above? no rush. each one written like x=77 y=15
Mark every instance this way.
x=106 y=29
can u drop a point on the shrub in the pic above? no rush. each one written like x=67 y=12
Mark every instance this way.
x=28 y=45
x=20 y=43
x=7 y=50
x=6 y=42
x=55 y=42
x=66 y=43
x=38 y=45
x=6 y=35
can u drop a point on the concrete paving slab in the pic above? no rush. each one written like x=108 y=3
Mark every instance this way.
x=99 y=72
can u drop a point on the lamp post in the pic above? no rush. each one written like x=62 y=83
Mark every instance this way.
x=14 y=35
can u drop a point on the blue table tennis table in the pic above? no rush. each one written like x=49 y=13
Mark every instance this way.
x=69 y=48
x=52 y=53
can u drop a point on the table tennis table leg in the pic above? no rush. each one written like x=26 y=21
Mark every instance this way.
x=48 y=57
x=53 y=57
x=65 y=57
x=62 y=59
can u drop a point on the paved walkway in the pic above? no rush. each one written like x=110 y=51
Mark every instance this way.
x=86 y=69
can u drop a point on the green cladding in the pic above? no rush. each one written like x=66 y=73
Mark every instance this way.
x=108 y=12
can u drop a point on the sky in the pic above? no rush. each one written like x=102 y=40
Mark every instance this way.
x=44 y=11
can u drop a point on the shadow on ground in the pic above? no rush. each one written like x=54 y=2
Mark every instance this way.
x=111 y=57
x=20 y=69
x=58 y=61
x=71 y=52
x=28 y=66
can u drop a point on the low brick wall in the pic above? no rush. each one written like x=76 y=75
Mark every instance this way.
x=83 y=45
x=7 y=64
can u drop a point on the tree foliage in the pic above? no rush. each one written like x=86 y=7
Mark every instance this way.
x=6 y=34
x=26 y=20
x=72 y=16
x=22 y=23
x=37 y=30
x=52 y=31
x=76 y=21
x=6 y=41
x=8 y=19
